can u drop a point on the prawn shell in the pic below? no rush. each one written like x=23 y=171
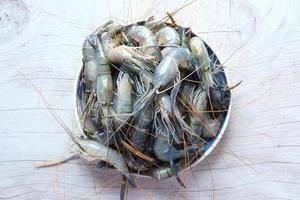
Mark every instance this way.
x=104 y=89
x=124 y=102
x=146 y=38
x=167 y=36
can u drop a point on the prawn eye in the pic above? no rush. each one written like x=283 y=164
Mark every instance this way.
x=103 y=164
x=151 y=85
x=141 y=23
x=100 y=134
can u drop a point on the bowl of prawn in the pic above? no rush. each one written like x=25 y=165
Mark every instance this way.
x=222 y=79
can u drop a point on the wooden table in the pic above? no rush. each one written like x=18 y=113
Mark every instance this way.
x=259 y=43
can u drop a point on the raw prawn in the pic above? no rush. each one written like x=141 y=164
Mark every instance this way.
x=146 y=40
x=166 y=73
x=124 y=98
x=168 y=37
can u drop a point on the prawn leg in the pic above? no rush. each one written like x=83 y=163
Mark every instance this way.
x=124 y=189
x=172 y=165
x=175 y=91
x=174 y=170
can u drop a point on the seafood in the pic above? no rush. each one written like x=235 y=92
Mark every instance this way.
x=119 y=53
x=183 y=39
x=200 y=121
x=167 y=125
x=162 y=149
x=169 y=171
x=197 y=101
x=96 y=151
x=166 y=171
x=124 y=98
x=89 y=149
x=143 y=120
x=211 y=129
x=165 y=121
x=200 y=52
x=218 y=96
x=167 y=36
x=219 y=99
x=163 y=173
x=146 y=40
x=103 y=88
x=150 y=97
x=170 y=122
x=90 y=63
x=131 y=59
x=141 y=131
x=151 y=24
x=133 y=164
x=167 y=72
x=90 y=54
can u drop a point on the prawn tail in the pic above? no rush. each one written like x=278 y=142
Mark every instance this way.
x=173 y=167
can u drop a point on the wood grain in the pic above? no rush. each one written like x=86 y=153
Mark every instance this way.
x=259 y=43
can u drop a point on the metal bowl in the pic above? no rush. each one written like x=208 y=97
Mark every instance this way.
x=222 y=78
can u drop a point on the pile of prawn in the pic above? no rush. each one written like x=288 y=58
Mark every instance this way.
x=151 y=98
